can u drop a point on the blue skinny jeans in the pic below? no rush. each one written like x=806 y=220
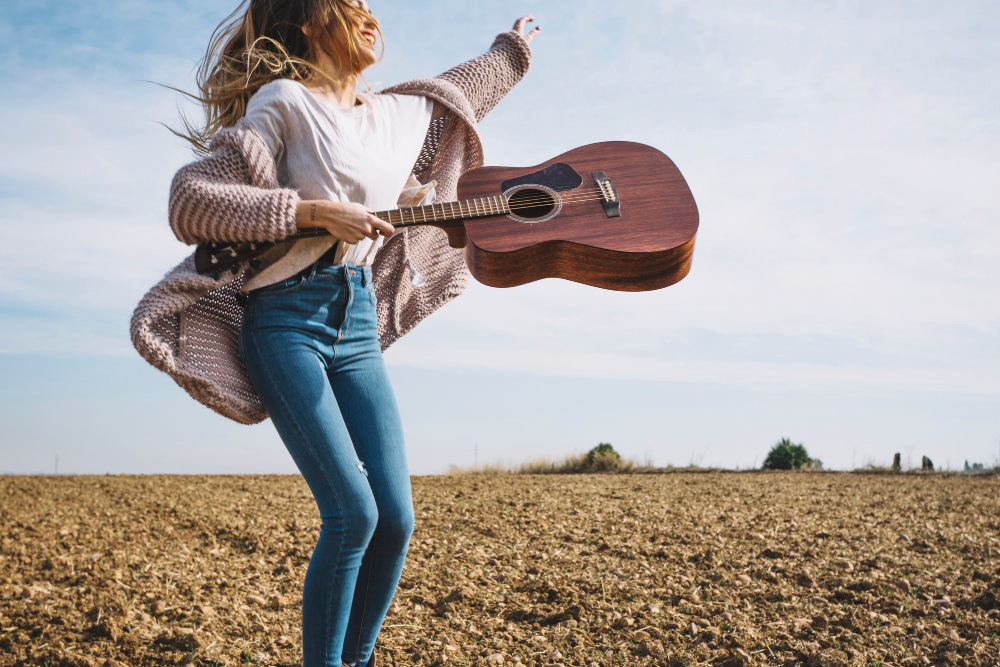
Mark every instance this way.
x=310 y=347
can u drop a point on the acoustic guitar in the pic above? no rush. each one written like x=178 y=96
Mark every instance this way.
x=617 y=215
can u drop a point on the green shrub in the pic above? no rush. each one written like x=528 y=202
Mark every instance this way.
x=603 y=457
x=786 y=455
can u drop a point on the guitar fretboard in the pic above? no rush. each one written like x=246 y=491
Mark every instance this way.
x=455 y=210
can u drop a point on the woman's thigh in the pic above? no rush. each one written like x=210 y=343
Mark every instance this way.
x=368 y=405
x=288 y=368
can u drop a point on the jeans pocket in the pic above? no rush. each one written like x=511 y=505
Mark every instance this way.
x=370 y=288
x=286 y=286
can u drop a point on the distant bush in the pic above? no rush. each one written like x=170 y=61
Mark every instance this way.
x=787 y=455
x=603 y=458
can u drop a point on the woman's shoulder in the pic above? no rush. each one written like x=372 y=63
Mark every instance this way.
x=400 y=101
x=277 y=93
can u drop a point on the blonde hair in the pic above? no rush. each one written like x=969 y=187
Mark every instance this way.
x=262 y=41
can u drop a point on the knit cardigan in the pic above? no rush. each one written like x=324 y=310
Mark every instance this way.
x=188 y=324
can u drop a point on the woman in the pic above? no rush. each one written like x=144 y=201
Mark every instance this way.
x=290 y=144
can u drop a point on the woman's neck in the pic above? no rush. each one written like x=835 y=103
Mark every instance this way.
x=332 y=86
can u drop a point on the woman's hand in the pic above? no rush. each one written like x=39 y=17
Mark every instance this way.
x=345 y=221
x=521 y=23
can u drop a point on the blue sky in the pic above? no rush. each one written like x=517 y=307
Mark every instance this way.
x=844 y=293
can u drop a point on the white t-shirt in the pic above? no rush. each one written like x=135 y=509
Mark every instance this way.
x=362 y=154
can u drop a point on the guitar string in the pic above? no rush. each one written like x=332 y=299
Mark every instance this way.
x=531 y=201
x=521 y=203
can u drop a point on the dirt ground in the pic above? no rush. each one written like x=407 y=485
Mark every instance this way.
x=820 y=569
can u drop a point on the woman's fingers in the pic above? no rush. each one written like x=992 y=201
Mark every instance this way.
x=521 y=22
x=383 y=227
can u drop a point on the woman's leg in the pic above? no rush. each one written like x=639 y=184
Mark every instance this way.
x=287 y=355
x=369 y=407
x=366 y=400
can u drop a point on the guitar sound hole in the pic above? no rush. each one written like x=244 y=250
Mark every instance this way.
x=531 y=203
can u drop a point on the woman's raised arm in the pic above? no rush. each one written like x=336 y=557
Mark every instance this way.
x=486 y=79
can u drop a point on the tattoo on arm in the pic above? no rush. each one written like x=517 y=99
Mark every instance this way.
x=312 y=212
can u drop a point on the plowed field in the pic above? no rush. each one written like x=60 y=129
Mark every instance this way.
x=820 y=569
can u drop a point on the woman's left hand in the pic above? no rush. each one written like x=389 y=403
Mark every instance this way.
x=520 y=24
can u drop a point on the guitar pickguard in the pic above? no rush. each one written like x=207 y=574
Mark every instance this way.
x=559 y=177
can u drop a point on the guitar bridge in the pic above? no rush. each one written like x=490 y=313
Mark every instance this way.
x=609 y=195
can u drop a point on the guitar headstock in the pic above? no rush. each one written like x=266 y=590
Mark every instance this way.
x=217 y=257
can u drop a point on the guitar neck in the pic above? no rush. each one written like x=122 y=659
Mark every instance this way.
x=434 y=214
x=446 y=212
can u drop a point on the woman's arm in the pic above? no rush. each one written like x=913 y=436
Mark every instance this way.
x=344 y=220
x=214 y=199
x=486 y=79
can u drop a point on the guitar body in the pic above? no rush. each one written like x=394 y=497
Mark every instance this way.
x=565 y=227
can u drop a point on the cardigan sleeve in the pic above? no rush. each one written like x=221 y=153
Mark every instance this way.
x=215 y=199
x=486 y=79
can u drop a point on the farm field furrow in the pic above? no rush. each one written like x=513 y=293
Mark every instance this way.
x=819 y=569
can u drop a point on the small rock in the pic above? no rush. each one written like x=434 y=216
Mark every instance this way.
x=555 y=655
x=158 y=608
x=441 y=659
x=256 y=599
x=954 y=636
x=417 y=607
x=904 y=585
x=206 y=610
x=640 y=636
x=832 y=658
x=145 y=618
x=495 y=659
x=726 y=616
x=654 y=610
x=539 y=639
x=279 y=602
x=27 y=592
x=844 y=564
x=626 y=622
x=393 y=609
x=616 y=616
x=744 y=578
x=820 y=622
x=693 y=629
